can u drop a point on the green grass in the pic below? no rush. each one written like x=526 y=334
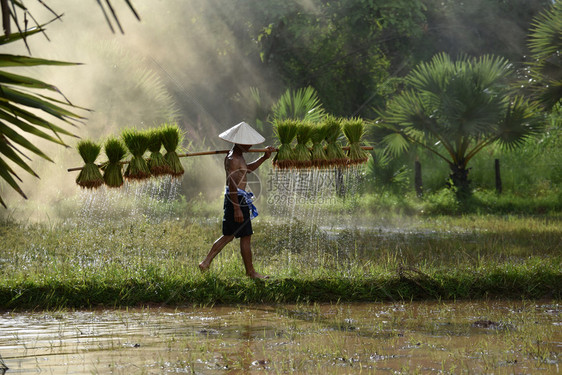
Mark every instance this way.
x=89 y=263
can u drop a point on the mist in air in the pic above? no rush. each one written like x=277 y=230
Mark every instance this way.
x=181 y=63
x=178 y=63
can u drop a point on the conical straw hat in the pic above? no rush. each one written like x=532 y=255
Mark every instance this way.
x=242 y=134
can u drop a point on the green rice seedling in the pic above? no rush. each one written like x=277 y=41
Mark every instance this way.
x=156 y=163
x=113 y=169
x=137 y=143
x=171 y=138
x=334 y=152
x=354 y=130
x=90 y=176
x=301 y=152
x=317 y=136
x=286 y=130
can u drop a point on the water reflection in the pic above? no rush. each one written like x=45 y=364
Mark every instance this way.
x=481 y=337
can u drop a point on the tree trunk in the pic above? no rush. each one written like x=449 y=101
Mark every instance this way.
x=498 y=176
x=418 y=178
x=460 y=181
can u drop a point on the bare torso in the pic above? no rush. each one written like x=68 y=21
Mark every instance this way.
x=236 y=169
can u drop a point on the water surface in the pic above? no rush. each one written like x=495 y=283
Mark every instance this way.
x=456 y=337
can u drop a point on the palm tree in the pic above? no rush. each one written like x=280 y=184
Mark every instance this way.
x=545 y=43
x=21 y=97
x=455 y=109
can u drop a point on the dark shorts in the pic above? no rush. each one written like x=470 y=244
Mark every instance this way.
x=231 y=227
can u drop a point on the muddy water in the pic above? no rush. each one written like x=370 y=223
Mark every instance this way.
x=460 y=337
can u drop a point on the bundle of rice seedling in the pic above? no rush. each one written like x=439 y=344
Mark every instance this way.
x=301 y=152
x=171 y=139
x=156 y=162
x=286 y=130
x=354 y=130
x=334 y=152
x=318 y=153
x=90 y=176
x=137 y=143
x=113 y=169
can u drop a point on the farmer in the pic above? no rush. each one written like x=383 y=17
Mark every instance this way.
x=238 y=206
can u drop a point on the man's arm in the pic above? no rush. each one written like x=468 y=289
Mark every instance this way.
x=255 y=164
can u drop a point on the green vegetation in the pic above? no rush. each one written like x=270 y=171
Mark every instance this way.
x=286 y=131
x=21 y=95
x=545 y=45
x=23 y=101
x=334 y=152
x=113 y=169
x=301 y=152
x=318 y=153
x=455 y=109
x=302 y=104
x=90 y=176
x=156 y=163
x=354 y=130
x=137 y=142
x=130 y=262
x=172 y=138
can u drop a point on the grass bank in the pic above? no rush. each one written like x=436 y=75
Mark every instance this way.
x=126 y=262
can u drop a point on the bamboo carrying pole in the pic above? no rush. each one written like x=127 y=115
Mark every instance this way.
x=216 y=152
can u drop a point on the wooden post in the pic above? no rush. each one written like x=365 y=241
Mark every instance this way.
x=215 y=152
x=498 y=176
x=418 y=178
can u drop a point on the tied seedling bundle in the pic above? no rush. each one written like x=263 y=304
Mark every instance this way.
x=90 y=176
x=171 y=138
x=137 y=143
x=334 y=152
x=317 y=136
x=156 y=162
x=286 y=130
x=113 y=169
x=354 y=130
x=301 y=153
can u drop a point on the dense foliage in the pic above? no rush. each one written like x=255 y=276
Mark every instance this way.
x=354 y=53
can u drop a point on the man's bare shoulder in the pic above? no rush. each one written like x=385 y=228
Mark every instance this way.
x=234 y=161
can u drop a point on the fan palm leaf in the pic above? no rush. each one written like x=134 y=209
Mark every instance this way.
x=302 y=104
x=545 y=43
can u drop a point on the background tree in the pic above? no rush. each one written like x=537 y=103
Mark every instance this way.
x=348 y=50
x=456 y=109
x=477 y=27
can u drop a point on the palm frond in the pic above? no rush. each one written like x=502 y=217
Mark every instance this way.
x=20 y=99
x=545 y=43
x=302 y=104
x=522 y=120
x=396 y=143
x=545 y=37
x=432 y=77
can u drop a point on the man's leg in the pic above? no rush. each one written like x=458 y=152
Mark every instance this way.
x=246 y=251
x=215 y=249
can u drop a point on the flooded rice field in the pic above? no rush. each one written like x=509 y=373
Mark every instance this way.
x=429 y=337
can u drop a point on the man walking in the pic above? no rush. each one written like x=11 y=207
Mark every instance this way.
x=238 y=206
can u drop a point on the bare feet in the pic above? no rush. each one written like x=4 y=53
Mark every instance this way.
x=255 y=275
x=203 y=267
